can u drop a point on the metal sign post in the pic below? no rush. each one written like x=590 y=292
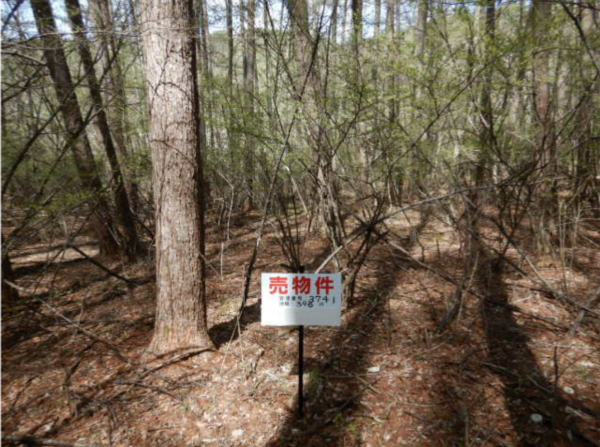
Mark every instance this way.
x=301 y=364
x=301 y=299
x=301 y=371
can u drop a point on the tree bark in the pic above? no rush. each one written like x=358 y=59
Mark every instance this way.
x=249 y=89
x=314 y=104
x=487 y=136
x=124 y=213
x=177 y=175
x=206 y=71
x=9 y=294
x=377 y=29
x=376 y=32
x=71 y=113
x=395 y=182
x=232 y=134
x=102 y=17
x=334 y=20
x=421 y=28
x=357 y=21
x=587 y=186
x=344 y=21
x=230 y=49
x=544 y=131
x=204 y=39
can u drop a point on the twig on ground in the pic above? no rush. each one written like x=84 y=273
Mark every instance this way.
x=33 y=441
x=102 y=267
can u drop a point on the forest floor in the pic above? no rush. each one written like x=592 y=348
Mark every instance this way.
x=504 y=373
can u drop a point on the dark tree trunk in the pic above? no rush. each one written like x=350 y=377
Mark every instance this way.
x=102 y=17
x=230 y=49
x=587 y=186
x=204 y=39
x=487 y=115
x=249 y=89
x=544 y=131
x=74 y=125
x=421 y=29
x=124 y=214
x=334 y=20
x=395 y=182
x=177 y=175
x=232 y=134
x=357 y=18
x=313 y=103
x=9 y=294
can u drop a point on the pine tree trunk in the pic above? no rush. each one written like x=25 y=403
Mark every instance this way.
x=421 y=28
x=487 y=115
x=376 y=32
x=74 y=125
x=314 y=104
x=249 y=89
x=124 y=213
x=177 y=175
x=9 y=294
x=232 y=134
x=395 y=183
x=544 y=131
x=587 y=186
x=102 y=18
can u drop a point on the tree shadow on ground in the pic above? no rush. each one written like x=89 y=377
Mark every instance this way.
x=331 y=401
x=527 y=392
x=228 y=331
x=338 y=382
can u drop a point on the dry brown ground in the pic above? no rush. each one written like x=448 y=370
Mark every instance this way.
x=384 y=378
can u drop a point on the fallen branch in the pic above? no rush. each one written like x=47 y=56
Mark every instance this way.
x=102 y=267
x=29 y=440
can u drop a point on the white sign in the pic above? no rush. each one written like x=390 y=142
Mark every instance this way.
x=294 y=299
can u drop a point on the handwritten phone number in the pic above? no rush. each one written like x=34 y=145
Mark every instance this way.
x=305 y=301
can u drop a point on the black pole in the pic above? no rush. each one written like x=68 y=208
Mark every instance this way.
x=301 y=372
x=301 y=364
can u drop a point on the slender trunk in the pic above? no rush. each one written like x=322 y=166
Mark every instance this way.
x=344 y=21
x=232 y=134
x=249 y=88
x=206 y=99
x=587 y=187
x=102 y=17
x=544 y=131
x=123 y=210
x=177 y=175
x=487 y=136
x=205 y=73
x=376 y=31
x=390 y=43
x=396 y=180
x=74 y=125
x=544 y=107
x=267 y=52
x=417 y=168
x=357 y=22
x=230 y=49
x=398 y=12
x=9 y=294
x=421 y=29
x=314 y=104
x=204 y=39
x=334 y=21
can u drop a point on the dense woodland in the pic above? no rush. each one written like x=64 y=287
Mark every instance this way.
x=157 y=156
